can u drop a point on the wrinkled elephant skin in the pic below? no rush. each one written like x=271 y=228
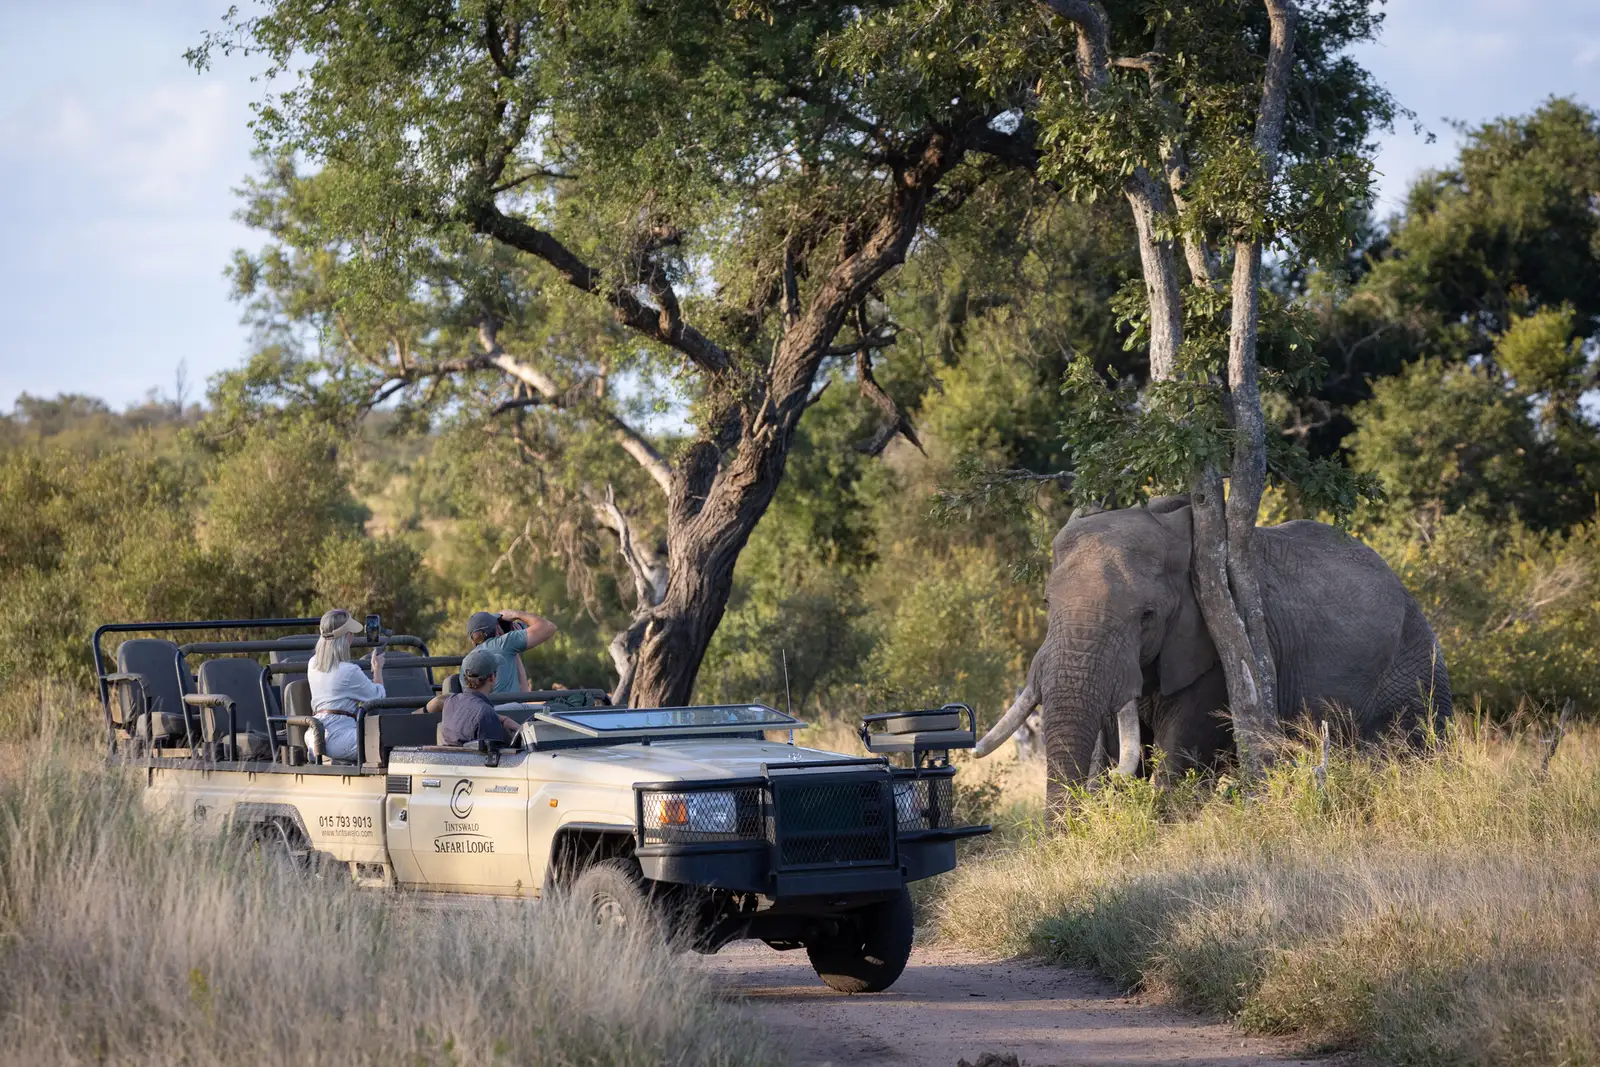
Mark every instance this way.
x=1350 y=644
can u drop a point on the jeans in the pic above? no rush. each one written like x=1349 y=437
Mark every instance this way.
x=339 y=736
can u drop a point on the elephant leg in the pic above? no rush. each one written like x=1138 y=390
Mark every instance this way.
x=1191 y=727
x=1414 y=692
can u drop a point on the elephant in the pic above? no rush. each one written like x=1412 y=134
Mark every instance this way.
x=1127 y=657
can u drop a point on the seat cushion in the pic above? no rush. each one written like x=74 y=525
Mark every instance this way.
x=248 y=746
x=240 y=681
x=166 y=679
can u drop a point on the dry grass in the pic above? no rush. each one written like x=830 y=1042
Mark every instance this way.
x=50 y=708
x=123 y=941
x=1441 y=911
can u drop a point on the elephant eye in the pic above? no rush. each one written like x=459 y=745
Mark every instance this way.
x=1148 y=614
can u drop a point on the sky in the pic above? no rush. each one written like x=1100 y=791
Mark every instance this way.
x=118 y=166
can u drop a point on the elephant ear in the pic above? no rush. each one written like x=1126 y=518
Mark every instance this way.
x=1187 y=651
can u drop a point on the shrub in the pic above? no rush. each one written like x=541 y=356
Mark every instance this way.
x=1513 y=608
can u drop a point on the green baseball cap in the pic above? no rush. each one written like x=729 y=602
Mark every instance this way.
x=480 y=663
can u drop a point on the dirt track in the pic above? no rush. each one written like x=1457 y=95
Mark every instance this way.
x=949 y=1005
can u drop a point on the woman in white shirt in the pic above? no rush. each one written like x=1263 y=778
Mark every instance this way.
x=338 y=684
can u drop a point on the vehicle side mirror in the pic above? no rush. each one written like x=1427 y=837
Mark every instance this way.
x=491 y=752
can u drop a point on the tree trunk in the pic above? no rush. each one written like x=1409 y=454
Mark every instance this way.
x=1160 y=271
x=1226 y=581
x=719 y=494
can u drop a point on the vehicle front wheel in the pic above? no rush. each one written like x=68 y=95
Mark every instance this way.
x=869 y=950
x=613 y=894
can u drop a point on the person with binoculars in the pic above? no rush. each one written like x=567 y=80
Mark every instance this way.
x=507 y=635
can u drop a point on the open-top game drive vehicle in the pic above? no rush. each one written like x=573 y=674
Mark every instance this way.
x=685 y=814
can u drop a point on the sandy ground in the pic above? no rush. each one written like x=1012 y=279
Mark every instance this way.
x=951 y=1005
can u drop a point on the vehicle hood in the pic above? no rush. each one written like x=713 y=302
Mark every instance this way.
x=698 y=760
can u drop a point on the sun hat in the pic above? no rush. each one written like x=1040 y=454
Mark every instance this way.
x=339 y=621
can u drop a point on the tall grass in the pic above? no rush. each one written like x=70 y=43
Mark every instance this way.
x=126 y=940
x=1438 y=911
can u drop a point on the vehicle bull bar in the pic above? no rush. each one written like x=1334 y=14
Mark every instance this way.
x=803 y=829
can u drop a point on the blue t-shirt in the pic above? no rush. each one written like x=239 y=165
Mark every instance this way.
x=469 y=718
x=507 y=647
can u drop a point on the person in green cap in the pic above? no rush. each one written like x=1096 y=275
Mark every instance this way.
x=468 y=715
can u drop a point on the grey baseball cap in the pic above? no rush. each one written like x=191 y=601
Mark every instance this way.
x=483 y=620
x=480 y=663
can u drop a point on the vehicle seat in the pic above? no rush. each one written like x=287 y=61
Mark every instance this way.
x=297 y=705
x=240 y=681
x=166 y=678
x=402 y=681
x=293 y=656
x=452 y=684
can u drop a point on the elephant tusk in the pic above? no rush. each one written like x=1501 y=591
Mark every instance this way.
x=1128 y=739
x=1013 y=718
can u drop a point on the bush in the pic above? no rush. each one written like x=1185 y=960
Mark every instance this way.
x=1513 y=608
x=1439 y=911
x=128 y=534
x=124 y=940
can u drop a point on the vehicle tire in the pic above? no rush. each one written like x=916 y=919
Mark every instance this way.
x=614 y=894
x=869 y=950
x=278 y=845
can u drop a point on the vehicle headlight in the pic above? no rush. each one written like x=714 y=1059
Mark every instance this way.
x=700 y=812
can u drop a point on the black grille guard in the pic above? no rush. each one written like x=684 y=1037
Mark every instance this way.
x=918 y=804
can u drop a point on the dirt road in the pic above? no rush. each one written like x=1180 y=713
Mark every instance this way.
x=949 y=1005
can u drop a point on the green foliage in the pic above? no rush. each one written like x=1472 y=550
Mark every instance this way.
x=1541 y=355
x=1513 y=607
x=129 y=534
x=1507 y=233
x=1444 y=437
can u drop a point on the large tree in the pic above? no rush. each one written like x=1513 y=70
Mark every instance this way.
x=702 y=171
x=1227 y=128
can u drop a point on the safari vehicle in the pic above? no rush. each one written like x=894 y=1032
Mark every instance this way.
x=641 y=813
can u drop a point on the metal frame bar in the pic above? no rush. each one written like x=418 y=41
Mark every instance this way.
x=292 y=643
x=172 y=627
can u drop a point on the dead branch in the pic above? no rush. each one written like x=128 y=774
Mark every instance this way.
x=632 y=441
x=1553 y=742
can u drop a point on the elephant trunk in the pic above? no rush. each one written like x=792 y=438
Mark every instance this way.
x=1082 y=685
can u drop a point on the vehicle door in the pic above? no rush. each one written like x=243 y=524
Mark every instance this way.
x=468 y=823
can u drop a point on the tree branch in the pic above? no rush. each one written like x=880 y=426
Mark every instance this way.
x=649 y=573
x=632 y=441
x=629 y=310
x=875 y=340
x=1094 y=34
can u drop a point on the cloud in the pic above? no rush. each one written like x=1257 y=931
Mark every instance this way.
x=1588 y=55
x=157 y=149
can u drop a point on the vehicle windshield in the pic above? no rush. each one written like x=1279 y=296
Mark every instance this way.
x=634 y=720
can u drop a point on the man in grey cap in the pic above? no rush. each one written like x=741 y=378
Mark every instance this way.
x=483 y=629
x=468 y=715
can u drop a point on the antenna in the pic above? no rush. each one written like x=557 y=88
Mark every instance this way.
x=788 y=702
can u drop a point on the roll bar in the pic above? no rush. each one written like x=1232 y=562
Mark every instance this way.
x=287 y=643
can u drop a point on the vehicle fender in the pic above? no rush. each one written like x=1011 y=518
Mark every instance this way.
x=251 y=814
x=579 y=842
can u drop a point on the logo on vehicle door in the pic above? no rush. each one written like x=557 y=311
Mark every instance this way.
x=461 y=799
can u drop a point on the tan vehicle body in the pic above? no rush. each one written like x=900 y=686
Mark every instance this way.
x=444 y=820
x=637 y=814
